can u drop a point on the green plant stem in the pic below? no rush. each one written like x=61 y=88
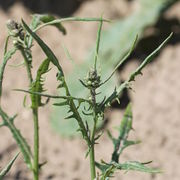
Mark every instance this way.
x=92 y=151
x=36 y=144
x=28 y=66
x=92 y=154
x=36 y=122
x=92 y=163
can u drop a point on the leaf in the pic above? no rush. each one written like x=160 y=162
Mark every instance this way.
x=50 y=55
x=23 y=145
x=121 y=142
x=148 y=59
x=71 y=19
x=46 y=18
x=6 y=169
x=137 y=166
x=117 y=92
x=37 y=85
x=115 y=43
x=108 y=169
x=7 y=56
x=98 y=42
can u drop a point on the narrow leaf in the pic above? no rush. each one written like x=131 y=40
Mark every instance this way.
x=6 y=169
x=56 y=21
x=46 y=18
x=37 y=85
x=6 y=57
x=45 y=48
x=137 y=166
x=24 y=147
x=98 y=43
x=125 y=127
x=61 y=103
x=148 y=59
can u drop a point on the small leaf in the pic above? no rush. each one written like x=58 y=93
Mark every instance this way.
x=61 y=103
x=37 y=85
x=70 y=117
x=121 y=142
x=46 y=18
x=6 y=169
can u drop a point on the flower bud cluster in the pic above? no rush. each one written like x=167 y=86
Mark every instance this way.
x=93 y=79
x=16 y=31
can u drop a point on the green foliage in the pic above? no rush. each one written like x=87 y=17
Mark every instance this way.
x=120 y=143
x=37 y=85
x=115 y=43
x=7 y=168
x=24 y=147
x=7 y=56
x=95 y=109
x=46 y=18
x=108 y=169
x=85 y=111
x=22 y=36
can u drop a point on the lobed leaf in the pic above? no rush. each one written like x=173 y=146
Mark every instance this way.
x=108 y=169
x=121 y=142
x=137 y=166
x=37 y=85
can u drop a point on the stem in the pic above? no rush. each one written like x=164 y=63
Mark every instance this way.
x=28 y=66
x=36 y=122
x=36 y=144
x=92 y=154
x=92 y=163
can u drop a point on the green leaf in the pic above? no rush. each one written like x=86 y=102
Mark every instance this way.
x=23 y=145
x=121 y=142
x=37 y=85
x=6 y=169
x=148 y=59
x=7 y=56
x=117 y=92
x=46 y=18
x=50 y=55
x=108 y=169
x=137 y=166
x=71 y=19
x=61 y=103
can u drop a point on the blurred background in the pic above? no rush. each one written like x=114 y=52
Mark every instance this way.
x=155 y=99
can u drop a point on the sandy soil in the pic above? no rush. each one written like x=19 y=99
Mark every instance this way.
x=156 y=104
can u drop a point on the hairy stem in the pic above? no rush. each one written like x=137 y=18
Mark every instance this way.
x=92 y=151
x=28 y=66
x=36 y=144
x=36 y=121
